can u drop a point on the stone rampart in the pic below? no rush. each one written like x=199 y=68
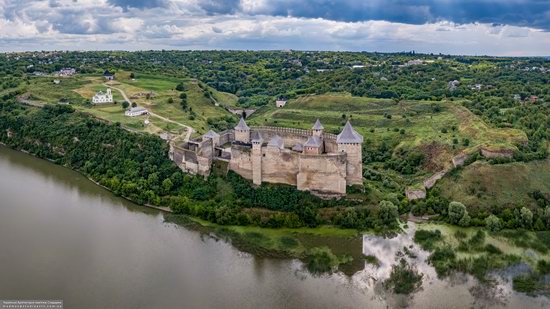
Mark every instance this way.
x=322 y=173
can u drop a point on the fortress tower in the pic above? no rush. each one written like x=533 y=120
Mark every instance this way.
x=242 y=132
x=350 y=142
x=257 y=142
x=318 y=129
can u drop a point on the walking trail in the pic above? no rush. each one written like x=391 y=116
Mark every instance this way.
x=189 y=130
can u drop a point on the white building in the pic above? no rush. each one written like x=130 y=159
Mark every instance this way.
x=280 y=103
x=67 y=72
x=103 y=97
x=136 y=111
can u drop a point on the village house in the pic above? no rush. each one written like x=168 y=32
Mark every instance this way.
x=108 y=75
x=136 y=111
x=66 y=72
x=103 y=97
x=312 y=160
x=280 y=103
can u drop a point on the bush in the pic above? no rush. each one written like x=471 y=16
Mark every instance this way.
x=443 y=260
x=388 y=213
x=525 y=283
x=320 y=260
x=427 y=239
x=493 y=223
x=526 y=217
x=404 y=279
x=456 y=212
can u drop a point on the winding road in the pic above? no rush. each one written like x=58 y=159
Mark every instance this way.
x=189 y=130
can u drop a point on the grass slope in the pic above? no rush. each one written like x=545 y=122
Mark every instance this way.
x=78 y=90
x=483 y=185
x=437 y=129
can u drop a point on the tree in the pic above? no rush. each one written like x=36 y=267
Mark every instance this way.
x=170 y=100
x=125 y=105
x=388 y=213
x=546 y=217
x=132 y=75
x=465 y=220
x=180 y=87
x=526 y=217
x=167 y=185
x=493 y=223
x=456 y=211
x=134 y=104
x=183 y=104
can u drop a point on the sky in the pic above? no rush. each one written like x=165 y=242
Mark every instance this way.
x=466 y=27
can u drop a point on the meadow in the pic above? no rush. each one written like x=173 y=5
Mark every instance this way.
x=155 y=92
x=438 y=130
x=485 y=186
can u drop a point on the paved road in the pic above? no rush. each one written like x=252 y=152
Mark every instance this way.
x=189 y=130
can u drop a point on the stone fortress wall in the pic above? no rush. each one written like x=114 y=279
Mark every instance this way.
x=269 y=154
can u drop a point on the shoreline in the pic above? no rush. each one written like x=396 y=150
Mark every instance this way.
x=159 y=208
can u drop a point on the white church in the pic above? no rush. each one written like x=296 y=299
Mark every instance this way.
x=103 y=97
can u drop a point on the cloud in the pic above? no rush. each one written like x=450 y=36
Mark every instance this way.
x=220 y=6
x=139 y=4
x=529 y=13
x=447 y=26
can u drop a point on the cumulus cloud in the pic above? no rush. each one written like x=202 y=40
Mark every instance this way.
x=450 y=26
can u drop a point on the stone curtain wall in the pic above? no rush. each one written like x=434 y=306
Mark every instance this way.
x=279 y=165
x=322 y=173
x=241 y=161
x=226 y=137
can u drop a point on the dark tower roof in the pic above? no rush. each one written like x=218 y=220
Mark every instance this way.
x=318 y=125
x=242 y=125
x=349 y=135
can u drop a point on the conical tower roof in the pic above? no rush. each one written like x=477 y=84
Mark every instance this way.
x=257 y=137
x=318 y=125
x=349 y=135
x=276 y=141
x=211 y=134
x=242 y=125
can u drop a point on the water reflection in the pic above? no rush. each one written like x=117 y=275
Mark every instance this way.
x=62 y=237
x=457 y=291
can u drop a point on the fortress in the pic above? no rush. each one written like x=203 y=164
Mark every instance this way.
x=311 y=160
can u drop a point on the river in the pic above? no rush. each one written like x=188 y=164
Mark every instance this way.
x=63 y=237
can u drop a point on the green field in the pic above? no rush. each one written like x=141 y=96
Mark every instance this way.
x=483 y=186
x=150 y=91
x=410 y=124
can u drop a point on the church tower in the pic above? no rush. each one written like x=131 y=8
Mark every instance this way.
x=350 y=142
x=242 y=132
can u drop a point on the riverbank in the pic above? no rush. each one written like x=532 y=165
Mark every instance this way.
x=347 y=259
x=266 y=242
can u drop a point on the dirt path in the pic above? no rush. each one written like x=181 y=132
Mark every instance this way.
x=189 y=130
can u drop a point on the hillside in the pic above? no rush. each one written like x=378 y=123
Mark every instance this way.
x=483 y=186
x=437 y=130
x=154 y=92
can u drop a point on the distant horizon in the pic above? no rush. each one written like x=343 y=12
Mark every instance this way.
x=518 y=28
x=412 y=52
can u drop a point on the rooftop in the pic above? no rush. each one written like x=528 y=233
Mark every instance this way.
x=256 y=137
x=242 y=125
x=313 y=141
x=349 y=135
x=318 y=125
x=137 y=109
x=211 y=134
x=276 y=141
